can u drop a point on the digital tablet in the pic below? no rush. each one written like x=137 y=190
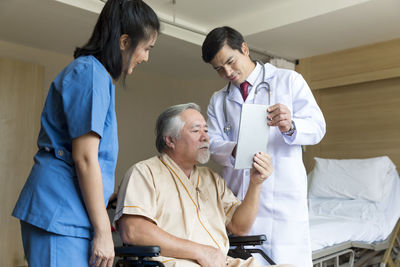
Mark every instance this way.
x=253 y=134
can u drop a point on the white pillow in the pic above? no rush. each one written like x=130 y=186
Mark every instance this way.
x=368 y=179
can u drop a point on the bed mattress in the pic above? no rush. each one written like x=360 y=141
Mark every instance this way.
x=336 y=221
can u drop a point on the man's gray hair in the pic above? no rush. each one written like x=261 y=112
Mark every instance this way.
x=169 y=123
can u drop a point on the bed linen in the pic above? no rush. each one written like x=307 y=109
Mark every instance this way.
x=338 y=220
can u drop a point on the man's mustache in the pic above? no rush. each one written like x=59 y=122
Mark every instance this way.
x=205 y=145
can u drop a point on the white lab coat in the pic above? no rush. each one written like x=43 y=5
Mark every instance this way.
x=283 y=211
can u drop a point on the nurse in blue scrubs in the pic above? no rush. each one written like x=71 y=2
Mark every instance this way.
x=62 y=207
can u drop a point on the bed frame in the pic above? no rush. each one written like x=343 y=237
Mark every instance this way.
x=359 y=254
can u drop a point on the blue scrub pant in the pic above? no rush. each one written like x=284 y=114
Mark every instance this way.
x=44 y=248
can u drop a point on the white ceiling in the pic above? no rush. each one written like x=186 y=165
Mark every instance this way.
x=291 y=29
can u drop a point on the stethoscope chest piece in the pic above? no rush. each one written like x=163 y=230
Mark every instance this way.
x=227 y=127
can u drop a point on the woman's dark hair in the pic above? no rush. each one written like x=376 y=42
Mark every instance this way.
x=132 y=17
x=217 y=38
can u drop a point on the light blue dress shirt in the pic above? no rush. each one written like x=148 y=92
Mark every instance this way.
x=81 y=99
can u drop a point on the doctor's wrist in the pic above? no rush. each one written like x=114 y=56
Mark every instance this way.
x=291 y=130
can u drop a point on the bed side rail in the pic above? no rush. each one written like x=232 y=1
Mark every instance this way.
x=393 y=249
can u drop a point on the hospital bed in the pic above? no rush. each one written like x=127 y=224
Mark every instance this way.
x=354 y=208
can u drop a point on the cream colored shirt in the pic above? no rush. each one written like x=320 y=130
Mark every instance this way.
x=197 y=209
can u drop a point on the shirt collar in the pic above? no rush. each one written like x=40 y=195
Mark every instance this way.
x=251 y=79
x=172 y=164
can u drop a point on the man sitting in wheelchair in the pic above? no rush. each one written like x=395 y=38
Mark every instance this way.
x=185 y=209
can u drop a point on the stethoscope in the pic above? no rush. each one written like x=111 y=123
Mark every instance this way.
x=228 y=127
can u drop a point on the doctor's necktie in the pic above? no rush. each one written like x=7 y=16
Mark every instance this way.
x=244 y=89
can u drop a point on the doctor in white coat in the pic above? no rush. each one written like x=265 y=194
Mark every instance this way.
x=295 y=120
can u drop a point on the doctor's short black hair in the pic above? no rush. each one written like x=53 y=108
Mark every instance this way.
x=217 y=38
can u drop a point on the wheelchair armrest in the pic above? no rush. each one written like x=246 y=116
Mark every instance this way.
x=239 y=251
x=251 y=240
x=137 y=251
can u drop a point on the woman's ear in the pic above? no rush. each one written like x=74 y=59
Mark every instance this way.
x=124 y=42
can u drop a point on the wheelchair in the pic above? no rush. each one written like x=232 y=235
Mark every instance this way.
x=138 y=256
x=141 y=256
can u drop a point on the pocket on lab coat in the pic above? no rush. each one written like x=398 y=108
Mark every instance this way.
x=290 y=232
x=290 y=190
x=290 y=175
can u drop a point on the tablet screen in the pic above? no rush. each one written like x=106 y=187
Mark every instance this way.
x=253 y=134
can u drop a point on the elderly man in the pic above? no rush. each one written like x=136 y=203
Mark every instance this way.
x=169 y=201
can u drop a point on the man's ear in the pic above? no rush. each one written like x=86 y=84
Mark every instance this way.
x=245 y=49
x=169 y=141
x=124 y=42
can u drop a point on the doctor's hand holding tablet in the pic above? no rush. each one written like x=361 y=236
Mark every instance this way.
x=279 y=115
x=255 y=121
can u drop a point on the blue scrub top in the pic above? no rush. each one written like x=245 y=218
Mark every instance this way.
x=81 y=99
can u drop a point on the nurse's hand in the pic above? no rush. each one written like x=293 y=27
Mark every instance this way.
x=102 y=250
x=279 y=115
x=262 y=168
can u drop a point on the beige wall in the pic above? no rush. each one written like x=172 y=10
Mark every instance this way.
x=20 y=105
x=137 y=105
x=53 y=63
x=358 y=91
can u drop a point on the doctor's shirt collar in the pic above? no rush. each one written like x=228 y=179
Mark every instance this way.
x=254 y=74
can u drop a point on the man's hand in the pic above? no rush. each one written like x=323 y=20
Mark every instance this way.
x=279 y=115
x=262 y=168
x=245 y=214
x=211 y=257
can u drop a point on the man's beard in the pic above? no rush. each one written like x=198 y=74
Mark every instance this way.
x=204 y=154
